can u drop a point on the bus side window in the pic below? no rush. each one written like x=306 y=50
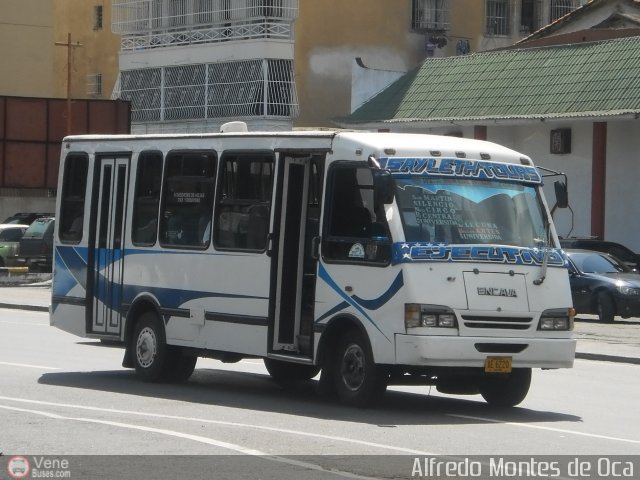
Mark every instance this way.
x=147 y=199
x=73 y=197
x=187 y=198
x=355 y=229
x=244 y=202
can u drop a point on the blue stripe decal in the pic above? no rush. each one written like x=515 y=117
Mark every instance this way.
x=376 y=303
x=357 y=302
x=409 y=252
x=336 y=309
x=71 y=269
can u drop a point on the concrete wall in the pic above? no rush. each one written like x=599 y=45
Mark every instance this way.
x=18 y=200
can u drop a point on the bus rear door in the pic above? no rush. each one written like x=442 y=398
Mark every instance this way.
x=107 y=243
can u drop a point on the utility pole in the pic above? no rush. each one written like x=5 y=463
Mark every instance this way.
x=69 y=46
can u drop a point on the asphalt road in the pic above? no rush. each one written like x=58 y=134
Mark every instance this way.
x=61 y=395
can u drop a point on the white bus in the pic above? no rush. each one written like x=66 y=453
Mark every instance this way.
x=374 y=258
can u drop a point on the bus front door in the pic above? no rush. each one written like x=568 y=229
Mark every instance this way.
x=296 y=265
x=108 y=244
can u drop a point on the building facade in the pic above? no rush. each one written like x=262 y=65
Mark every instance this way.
x=190 y=65
x=85 y=45
x=26 y=48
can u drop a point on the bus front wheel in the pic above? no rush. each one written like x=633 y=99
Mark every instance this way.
x=506 y=390
x=358 y=380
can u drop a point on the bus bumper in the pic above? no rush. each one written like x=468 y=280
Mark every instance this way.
x=450 y=351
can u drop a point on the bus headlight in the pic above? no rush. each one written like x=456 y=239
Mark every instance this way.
x=557 y=319
x=417 y=315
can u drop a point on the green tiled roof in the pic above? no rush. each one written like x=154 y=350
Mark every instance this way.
x=579 y=80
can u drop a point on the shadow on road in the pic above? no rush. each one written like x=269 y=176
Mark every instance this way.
x=255 y=391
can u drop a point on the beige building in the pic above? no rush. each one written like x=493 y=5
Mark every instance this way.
x=29 y=33
x=93 y=54
x=26 y=48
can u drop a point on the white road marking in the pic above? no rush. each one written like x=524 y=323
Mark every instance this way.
x=195 y=438
x=26 y=365
x=220 y=422
x=542 y=427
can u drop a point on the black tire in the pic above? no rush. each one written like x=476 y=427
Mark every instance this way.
x=149 y=348
x=605 y=307
x=357 y=379
x=506 y=390
x=179 y=366
x=290 y=372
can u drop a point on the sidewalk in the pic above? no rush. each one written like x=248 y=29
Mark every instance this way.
x=615 y=342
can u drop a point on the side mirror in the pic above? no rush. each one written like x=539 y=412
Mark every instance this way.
x=562 y=194
x=382 y=186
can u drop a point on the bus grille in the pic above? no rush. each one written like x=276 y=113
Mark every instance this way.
x=507 y=323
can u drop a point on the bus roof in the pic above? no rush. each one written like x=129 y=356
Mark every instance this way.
x=405 y=144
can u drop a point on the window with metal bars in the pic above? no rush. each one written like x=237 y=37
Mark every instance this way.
x=97 y=17
x=219 y=90
x=94 y=84
x=559 y=8
x=497 y=17
x=430 y=15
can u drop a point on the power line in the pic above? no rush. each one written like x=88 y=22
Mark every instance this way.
x=11 y=24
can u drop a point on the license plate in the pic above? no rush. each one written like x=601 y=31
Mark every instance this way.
x=497 y=365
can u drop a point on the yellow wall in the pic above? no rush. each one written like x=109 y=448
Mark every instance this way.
x=98 y=53
x=330 y=34
x=466 y=19
x=26 y=46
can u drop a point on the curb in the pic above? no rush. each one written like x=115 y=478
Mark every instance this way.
x=607 y=358
x=32 y=308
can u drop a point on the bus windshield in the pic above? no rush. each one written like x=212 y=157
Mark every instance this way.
x=464 y=211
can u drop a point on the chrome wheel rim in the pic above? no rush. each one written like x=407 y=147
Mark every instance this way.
x=352 y=368
x=146 y=347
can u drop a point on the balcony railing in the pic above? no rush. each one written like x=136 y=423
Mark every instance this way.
x=206 y=35
x=131 y=17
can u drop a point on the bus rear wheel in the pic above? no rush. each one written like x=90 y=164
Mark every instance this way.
x=150 y=350
x=153 y=359
x=358 y=380
x=506 y=390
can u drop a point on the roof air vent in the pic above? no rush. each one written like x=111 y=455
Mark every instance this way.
x=233 y=127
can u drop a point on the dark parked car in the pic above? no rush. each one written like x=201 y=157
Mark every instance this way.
x=26 y=218
x=36 y=245
x=603 y=285
x=629 y=257
x=10 y=235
